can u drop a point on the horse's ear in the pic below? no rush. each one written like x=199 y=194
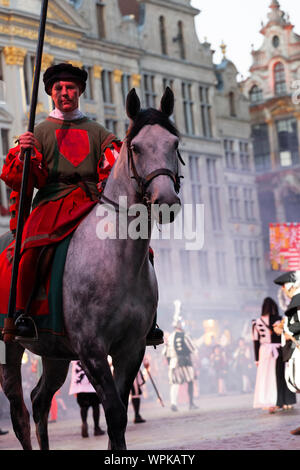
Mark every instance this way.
x=133 y=104
x=167 y=102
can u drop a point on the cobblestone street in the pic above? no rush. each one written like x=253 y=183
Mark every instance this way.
x=221 y=423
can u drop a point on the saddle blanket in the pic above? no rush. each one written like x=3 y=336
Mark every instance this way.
x=47 y=309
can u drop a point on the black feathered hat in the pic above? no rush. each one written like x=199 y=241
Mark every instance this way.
x=65 y=72
x=289 y=277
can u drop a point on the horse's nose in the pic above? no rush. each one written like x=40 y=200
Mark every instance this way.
x=166 y=211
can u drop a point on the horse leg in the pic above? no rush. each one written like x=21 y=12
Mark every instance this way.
x=125 y=371
x=11 y=382
x=99 y=374
x=53 y=377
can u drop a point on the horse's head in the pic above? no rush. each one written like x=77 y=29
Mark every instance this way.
x=152 y=142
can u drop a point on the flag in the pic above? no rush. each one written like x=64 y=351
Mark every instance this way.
x=285 y=246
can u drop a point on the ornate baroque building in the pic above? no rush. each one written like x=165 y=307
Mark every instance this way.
x=148 y=45
x=273 y=89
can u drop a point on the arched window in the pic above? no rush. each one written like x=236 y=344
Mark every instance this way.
x=163 y=37
x=256 y=94
x=279 y=79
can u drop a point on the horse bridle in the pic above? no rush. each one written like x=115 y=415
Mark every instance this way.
x=143 y=183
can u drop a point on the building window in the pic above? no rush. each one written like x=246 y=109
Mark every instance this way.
x=112 y=125
x=149 y=91
x=205 y=111
x=230 y=159
x=221 y=267
x=249 y=204
x=163 y=37
x=261 y=147
x=256 y=95
x=126 y=85
x=244 y=156
x=203 y=268
x=275 y=41
x=29 y=63
x=214 y=199
x=232 y=110
x=88 y=92
x=107 y=87
x=279 y=79
x=287 y=142
x=101 y=20
x=194 y=171
x=234 y=202
x=186 y=90
x=254 y=263
x=240 y=262
x=4 y=190
x=185 y=267
x=180 y=39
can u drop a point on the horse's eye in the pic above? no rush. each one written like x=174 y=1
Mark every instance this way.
x=135 y=148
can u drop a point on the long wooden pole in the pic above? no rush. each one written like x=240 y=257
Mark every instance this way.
x=9 y=321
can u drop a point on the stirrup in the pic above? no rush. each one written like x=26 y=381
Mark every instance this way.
x=28 y=339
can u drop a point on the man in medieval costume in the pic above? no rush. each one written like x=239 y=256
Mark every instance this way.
x=178 y=351
x=71 y=157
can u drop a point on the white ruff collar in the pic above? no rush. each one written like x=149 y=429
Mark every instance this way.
x=76 y=114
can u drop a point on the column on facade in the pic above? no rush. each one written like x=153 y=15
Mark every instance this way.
x=273 y=143
x=97 y=71
x=45 y=102
x=14 y=78
x=15 y=95
x=118 y=99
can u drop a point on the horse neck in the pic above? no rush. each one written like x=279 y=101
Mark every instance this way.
x=120 y=184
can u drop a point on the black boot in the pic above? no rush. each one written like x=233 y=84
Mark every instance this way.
x=25 y=328
x=155 y=335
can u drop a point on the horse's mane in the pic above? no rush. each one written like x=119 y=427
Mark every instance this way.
x=150 y=117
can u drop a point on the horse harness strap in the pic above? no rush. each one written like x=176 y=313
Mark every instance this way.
x=143 y=183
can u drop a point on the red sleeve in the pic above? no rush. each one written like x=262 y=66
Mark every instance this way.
x=13 y=168
x=107 y=161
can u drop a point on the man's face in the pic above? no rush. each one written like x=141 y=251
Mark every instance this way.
x=65 y=96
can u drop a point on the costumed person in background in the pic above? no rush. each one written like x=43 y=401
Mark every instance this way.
x=178 y=351
x=271 y=390
x=218 y=364
x=86 y=397
x=136 y=393
x=71 y=158
x=242 y=364
x=290 y=329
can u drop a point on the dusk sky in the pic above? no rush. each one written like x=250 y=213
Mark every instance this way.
x=237 y=23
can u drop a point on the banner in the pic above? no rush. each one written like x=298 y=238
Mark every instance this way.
x=285 y=247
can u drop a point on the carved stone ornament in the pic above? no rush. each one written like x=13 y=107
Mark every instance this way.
x=14 y=55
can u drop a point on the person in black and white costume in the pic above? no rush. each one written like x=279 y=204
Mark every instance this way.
x=290 y=283
x=270 y=388
x=178 y=351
